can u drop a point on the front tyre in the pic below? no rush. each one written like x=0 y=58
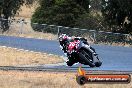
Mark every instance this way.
x=98 y=64
x=84 y=56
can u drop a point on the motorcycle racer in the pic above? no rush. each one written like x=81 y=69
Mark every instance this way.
x=66 y=41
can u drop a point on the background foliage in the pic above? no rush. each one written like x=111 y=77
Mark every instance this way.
x=60 y=12
x=118 y=15
x=8 y=8
x=106 y=15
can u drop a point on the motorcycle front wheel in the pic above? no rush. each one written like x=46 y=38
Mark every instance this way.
x=99 y=63
x=85 y=56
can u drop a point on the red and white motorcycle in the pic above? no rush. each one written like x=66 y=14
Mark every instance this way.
x=78 y=50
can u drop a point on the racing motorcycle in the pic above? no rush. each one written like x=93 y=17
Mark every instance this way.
x=78 y=50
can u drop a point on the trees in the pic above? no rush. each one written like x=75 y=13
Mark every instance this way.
x=93 y=19
x=60 y=12
x=8 y=8
x=107 y=15
x=118 y=15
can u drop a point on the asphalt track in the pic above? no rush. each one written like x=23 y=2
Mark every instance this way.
x=114 y=58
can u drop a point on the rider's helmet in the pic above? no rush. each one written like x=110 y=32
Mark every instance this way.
x=63 y=37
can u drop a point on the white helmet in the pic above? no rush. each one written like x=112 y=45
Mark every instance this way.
x=63 y=37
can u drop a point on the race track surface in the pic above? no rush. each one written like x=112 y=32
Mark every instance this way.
x=114 y=58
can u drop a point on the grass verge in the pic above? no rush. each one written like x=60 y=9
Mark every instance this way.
x=16 y=79
x=13 y=57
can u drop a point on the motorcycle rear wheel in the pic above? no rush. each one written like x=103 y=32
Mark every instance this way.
x=69 y=63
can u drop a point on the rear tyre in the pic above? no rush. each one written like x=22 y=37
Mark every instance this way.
x=69 y=63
